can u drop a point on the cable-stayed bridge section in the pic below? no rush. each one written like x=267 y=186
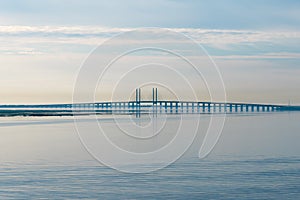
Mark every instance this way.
x=141 y=106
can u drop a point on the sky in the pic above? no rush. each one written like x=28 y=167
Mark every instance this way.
x=255 y=44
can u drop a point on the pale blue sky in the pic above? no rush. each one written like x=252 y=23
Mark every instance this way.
x=215 y=14
x=256 y=44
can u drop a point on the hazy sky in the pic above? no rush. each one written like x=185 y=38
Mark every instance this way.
x=256 y=44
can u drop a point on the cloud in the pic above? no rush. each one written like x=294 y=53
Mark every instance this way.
x=85 y=38
x=51 y=55
x=67 y=31
x=282 y=55
x=202 y=35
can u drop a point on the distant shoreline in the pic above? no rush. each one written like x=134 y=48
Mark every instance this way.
x=43 y=113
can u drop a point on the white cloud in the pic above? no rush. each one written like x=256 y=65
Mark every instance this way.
x=33 y=40
x=52 y=55
x=80 y=30
x=282 y=55
x=206 y=36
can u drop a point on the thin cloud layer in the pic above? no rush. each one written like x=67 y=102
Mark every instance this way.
x=16 y=39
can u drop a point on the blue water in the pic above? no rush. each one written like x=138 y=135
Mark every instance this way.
x=54 y=166
x=261 y=178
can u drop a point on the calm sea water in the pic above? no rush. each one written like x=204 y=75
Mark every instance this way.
x=257 y=157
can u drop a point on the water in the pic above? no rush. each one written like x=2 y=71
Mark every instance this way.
x=257 y=157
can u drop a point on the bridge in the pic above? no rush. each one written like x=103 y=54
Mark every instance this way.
x=139 y=106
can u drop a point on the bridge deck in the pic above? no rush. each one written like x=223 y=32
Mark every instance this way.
x=141 y=107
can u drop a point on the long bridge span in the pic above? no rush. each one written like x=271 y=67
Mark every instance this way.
x=141 y=106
